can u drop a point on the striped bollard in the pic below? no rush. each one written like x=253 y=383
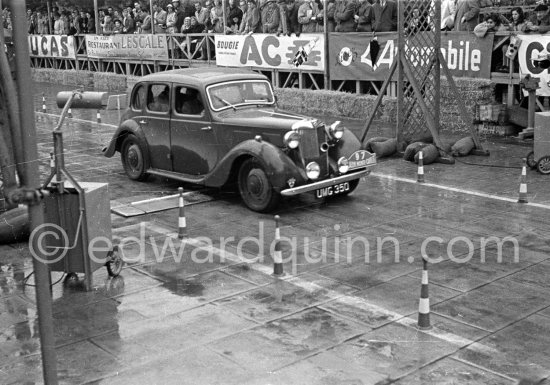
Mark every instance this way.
x=523 y=184
x=43 y=102
x=98 y=117
x=424 y=303
x=420 y=178
x=277 y=254
x=182 y=223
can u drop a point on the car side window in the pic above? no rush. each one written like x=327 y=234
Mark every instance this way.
x=158 y=98
x=139 y=98
x=188 y=101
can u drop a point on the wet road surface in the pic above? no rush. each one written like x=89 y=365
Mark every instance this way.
x=207 y=310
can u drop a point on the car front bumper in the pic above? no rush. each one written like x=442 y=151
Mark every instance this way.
x=324 y=183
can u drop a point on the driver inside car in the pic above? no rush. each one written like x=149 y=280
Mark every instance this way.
x=161 y=103
x=190 y=103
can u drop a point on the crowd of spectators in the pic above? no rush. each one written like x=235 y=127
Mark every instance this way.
x=275 y=16
x=282 y=17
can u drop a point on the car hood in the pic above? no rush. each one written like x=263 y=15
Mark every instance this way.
x=261 y=117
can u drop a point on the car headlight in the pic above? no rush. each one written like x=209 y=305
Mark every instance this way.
x=343 y=165
x=313 y=170
x=292 y=139
x=336 y=130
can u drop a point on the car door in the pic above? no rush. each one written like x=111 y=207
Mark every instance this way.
x=194 y=141
x=155 y=123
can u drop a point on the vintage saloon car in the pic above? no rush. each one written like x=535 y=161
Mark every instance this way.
x=220 y=126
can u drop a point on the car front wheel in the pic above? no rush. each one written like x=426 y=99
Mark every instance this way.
x=133 y=158
x=255 y=188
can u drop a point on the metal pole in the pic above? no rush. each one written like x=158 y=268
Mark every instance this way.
x=153 y=24
x=223 y=13
x=32 y=180
x=50 y=23
x=96 y=15
x=325 y=30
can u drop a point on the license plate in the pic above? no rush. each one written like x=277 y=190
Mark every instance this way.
x=329 y=191
x=361 y=158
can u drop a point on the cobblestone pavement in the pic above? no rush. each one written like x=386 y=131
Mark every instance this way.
x=207 y=310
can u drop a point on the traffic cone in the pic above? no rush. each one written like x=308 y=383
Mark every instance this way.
x=424 y=303
x=98 y=117
x=43 y=102
x=70 y=113
x=420 y=178
x=277 y=255
x=523 y=184
x=182 y=223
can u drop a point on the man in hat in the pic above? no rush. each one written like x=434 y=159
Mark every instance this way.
x=540 y=21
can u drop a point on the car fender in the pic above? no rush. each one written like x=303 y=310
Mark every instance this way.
x=127 y=127
x=278 y=165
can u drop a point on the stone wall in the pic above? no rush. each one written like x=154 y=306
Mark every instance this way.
x=320 y=102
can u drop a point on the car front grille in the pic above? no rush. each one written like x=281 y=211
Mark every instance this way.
x=309 y=143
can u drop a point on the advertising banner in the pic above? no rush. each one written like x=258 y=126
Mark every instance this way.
x=531 y=46
x=59 y=46
x=271 y=51
x=132 y=46
x=350 y=55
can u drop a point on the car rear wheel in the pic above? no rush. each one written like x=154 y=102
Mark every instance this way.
x=255 y=188
x=133 y=158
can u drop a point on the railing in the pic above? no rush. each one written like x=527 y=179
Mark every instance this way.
x=198 y=50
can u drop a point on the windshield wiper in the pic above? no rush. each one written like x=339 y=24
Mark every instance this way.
x=226 y=102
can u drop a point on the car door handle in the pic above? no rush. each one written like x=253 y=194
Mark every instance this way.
x=143 y=122
x=207 y=128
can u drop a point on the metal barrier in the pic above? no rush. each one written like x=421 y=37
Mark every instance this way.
x=198 y=50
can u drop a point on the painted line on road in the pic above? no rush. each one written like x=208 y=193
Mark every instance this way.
x=458 y=190
x=311 y=287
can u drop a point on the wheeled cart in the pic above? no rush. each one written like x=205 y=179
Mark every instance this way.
x=79 y=222
x=539 y=158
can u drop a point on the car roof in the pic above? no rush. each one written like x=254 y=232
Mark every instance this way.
x=203 y=76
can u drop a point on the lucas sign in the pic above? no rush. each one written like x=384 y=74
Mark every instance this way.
x=270 y=51
x=60 y=46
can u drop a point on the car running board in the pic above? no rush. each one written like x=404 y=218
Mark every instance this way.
x=177 y=176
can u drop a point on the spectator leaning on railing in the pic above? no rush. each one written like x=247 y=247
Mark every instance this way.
x=540 y=21
x=234 y=16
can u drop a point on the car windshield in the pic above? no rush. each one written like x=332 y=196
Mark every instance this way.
x=239 y=93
